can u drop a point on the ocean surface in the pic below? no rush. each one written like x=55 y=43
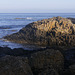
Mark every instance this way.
x=13 y=22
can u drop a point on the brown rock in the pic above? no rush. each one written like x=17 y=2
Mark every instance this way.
x=51 y=31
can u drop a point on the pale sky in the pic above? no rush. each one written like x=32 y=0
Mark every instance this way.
x=37 y=6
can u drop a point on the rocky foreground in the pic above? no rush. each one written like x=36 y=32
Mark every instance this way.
x=47 y=61
x=53 y=31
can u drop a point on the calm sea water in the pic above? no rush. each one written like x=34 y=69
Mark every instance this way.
x=12 y=23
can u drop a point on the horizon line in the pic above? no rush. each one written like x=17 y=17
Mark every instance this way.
x=36 y=13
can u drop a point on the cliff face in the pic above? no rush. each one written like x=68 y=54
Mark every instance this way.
x=53 y=31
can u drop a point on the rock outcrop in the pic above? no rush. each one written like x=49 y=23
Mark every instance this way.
x=45 y=60
x=10 y=65
x=53 y=31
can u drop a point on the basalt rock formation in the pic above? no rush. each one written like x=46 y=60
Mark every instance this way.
x=48 y=61
x=53 y=31
x=45 y=61
x=10 y=65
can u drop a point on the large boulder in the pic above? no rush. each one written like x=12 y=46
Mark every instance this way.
x=10 y=65
x=53 y=31
x=48 y=59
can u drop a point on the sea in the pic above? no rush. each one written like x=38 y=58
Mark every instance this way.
x=12 y=22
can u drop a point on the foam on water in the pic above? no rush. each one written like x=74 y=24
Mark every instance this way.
x=29 y=18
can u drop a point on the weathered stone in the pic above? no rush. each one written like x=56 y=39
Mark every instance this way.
x=72 y=69
x=42 y=60
x=49 y=72
x=51 y=31
x=10 y=65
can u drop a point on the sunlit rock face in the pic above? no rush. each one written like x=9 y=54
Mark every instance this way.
x=52 y=31
x=56 y=24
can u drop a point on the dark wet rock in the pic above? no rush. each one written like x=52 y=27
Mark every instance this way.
x=48 y=59
x=69 y=56
x=49 y=72
x=10 y=65
x=16 y=51
x=53 y=31
x=72 y=69
x=5 y=51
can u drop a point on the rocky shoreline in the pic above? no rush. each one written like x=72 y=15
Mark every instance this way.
x=54 y=31
x=46 y=61
x=58 y=58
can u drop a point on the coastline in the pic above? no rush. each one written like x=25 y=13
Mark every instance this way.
x=53 y=31
x=10 y=22
x=53 y=59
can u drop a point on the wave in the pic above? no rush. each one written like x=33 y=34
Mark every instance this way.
x=28 y=18
x=13 y=19
x=11 y=26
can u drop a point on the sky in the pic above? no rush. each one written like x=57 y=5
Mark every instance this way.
x=37 y=6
